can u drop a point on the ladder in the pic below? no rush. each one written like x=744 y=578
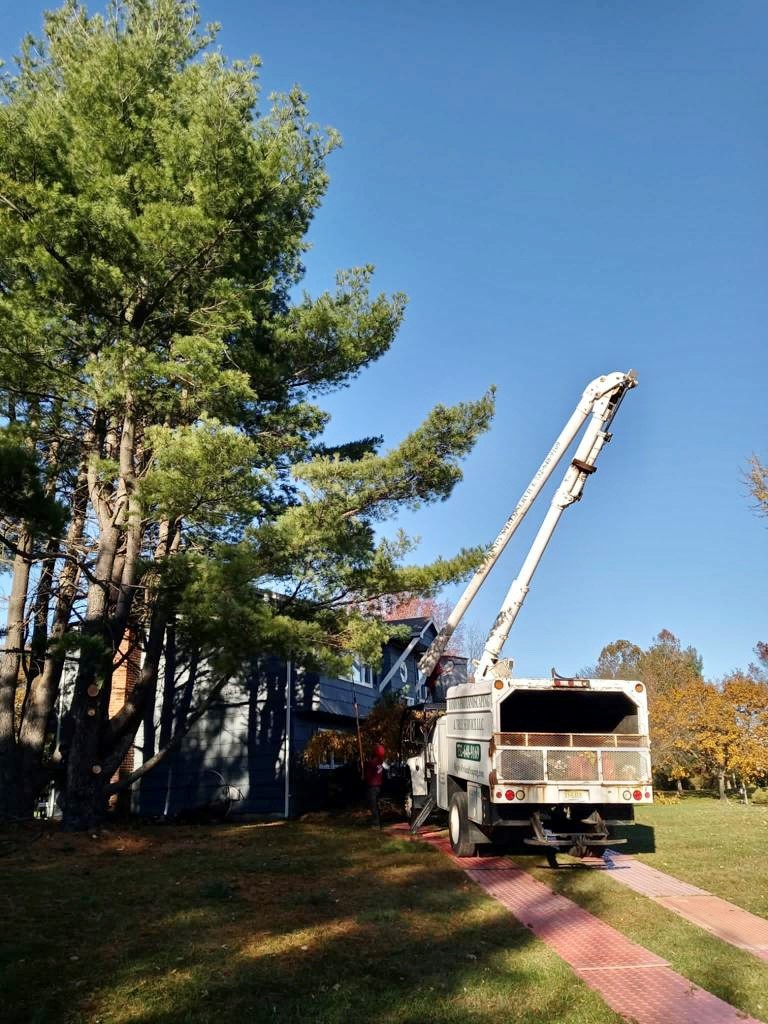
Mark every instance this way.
x=423 y=814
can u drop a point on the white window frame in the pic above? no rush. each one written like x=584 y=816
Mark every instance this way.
x=361 y=674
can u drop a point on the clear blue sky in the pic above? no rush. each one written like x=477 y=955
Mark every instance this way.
x=562 y=189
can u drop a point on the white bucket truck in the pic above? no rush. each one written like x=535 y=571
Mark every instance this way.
x=561 y=759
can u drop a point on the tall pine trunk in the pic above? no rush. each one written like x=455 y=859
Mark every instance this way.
x=84 y=791
x=44 y=688
x=95 y=746
x=9 y=677
x=83 y=798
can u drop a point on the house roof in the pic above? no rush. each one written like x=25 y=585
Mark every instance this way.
x=416 y=624
x=422 y=628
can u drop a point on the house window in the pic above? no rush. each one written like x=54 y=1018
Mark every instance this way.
x=333 y=760
x=360 y=674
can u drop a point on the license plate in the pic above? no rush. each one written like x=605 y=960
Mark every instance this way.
x=574 y=794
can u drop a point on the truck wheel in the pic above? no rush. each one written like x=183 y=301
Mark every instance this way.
x=458 y=826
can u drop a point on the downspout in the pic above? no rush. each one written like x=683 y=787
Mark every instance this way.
x=287 y=744
x=357 y=724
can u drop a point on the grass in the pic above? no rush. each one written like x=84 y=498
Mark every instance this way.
x=310 y=922
x=719 y=846
x=326 y=921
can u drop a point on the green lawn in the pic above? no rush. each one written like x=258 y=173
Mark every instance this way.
x=718 y=846
x=327 y=921
x=304 y=922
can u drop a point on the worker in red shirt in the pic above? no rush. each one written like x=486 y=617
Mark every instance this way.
x=373 y=774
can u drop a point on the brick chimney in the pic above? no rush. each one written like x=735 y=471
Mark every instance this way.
x=124 y=677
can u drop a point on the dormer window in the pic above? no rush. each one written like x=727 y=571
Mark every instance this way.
x=360 y=674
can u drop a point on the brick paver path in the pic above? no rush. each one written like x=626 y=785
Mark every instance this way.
x=723 y=919
x=633 y=981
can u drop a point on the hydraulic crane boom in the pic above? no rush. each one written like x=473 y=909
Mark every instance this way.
x=601 y=399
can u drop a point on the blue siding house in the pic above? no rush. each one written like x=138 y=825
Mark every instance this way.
x=253 y=738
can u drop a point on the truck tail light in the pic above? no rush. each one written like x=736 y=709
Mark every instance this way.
x=520 y=794
x=510 y=794
x=638 y=795
x=627 y=794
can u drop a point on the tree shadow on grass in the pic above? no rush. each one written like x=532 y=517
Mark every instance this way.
x=304 y=923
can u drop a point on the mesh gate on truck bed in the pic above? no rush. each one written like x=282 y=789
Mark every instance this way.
x=625 y=765
x=521 y=765
x=566 y=764
x=572 y=765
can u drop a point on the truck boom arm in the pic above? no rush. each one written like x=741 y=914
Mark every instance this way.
x=601 y=398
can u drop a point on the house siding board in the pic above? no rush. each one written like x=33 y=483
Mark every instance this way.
x=243 y=738
x=337 y=697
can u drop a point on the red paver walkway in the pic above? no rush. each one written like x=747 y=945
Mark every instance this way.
x=633 y=981
x=717 y=916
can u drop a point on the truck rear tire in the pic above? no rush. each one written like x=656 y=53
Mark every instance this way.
x=459 y=826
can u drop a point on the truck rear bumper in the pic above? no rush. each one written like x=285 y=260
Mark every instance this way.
x=569 y=793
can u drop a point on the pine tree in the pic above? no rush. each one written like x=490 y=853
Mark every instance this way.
x=163 y=382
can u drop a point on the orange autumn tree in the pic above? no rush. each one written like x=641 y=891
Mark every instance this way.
x=676 y=720
x=716 y=730
x=672 y=675
x=697 y=727
x=733 y=734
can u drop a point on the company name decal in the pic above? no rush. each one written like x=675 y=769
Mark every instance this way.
x=470 y=724
x=481 y=700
